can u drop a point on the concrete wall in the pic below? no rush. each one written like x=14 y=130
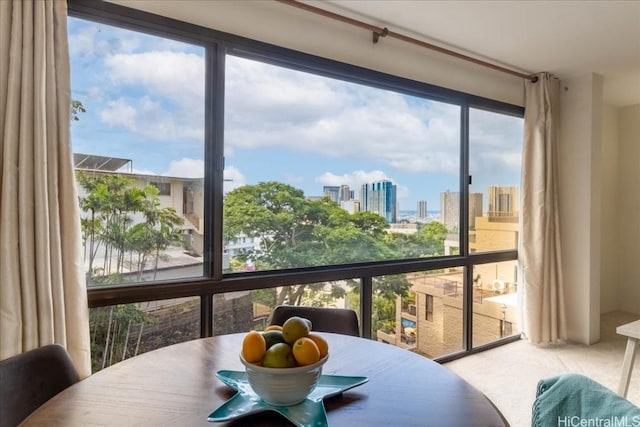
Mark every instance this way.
x=620 y=209
x=580 y=204
x=609 y=277
x=628 y=209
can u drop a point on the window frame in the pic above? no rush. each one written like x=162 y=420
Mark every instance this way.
x=217 y=45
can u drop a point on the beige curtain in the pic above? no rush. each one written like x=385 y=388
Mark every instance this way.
x=43 y=297
x=543 y=312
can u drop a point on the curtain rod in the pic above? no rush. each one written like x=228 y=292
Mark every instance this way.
x=385 y=32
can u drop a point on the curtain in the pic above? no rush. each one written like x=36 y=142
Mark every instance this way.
x=43 y=296
x=543 y=312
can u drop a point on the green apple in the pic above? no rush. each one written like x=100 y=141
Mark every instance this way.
x=295 y=327
x=279 y=355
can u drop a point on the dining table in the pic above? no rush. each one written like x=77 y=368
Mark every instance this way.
x=177 y=386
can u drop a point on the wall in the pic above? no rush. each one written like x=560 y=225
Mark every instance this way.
x=628 y=209
x=580 y=204
x=609 y=273
x=285 y=26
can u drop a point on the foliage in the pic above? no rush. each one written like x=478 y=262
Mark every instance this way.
x=297 y=232
x=111 y=333
x=110 y=204
x=76 y=107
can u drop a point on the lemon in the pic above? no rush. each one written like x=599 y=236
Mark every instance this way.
x=322 y=344
x=253 y=347
x=306 y=351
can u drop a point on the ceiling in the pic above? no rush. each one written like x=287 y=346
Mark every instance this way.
x=567 y=38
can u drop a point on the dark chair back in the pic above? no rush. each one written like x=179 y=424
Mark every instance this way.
x=29 y=379
x=337 y=320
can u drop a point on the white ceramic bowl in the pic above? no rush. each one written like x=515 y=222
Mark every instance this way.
x=283 y=386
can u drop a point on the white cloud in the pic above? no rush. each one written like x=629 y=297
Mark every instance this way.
x=120 y=113
x=269 y=106
x=186 y=168
x=354 y=179
x=233 y=178
x=179 y=76
x=495 y=142
x=161 y=94
x=148 y=118
x=143 y=172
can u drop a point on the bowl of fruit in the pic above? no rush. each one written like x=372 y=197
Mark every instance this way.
x=284 y=364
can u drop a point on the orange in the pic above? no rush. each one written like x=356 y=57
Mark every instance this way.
x=253 y=347
x=305 y=351
x=322 y=344
x=273 y=328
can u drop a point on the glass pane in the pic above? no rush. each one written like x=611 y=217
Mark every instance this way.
x=320 y=171
x=427 y=317
x=236 y=312
x=126 y=330
x=495 y=153
x=138 y=140
x=495 y=301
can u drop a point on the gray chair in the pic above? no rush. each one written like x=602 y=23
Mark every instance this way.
x=336 y=320
x=29 y=379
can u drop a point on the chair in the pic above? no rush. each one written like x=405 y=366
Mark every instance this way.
x=336 y=320
x=29 y=379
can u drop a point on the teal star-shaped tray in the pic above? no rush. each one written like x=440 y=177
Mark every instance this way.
x=308 y=413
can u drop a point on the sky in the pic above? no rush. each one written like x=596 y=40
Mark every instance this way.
x=144 y=101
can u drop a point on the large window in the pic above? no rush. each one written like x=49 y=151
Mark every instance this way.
x=138 y=142
x=320 y=171
x=242 y=176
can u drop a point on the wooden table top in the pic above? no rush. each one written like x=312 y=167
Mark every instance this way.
x=176 y=386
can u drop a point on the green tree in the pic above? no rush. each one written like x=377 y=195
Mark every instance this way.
x=111 y=201
x=297 y=232
x=432 y=236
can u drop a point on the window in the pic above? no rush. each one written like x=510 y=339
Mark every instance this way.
x=248 y=175
x=495 y=151
x=164 y=188
x=354 y=164
x=138 y=132
x=429 y=308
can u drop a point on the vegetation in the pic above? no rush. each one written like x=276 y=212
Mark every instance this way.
x=124 y=247
x=297 y=232
x=125 y=232
x=108 y=228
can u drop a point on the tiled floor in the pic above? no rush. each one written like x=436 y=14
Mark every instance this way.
x=508 y=375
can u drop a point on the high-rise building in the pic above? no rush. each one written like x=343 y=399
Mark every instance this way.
x=332 y=192
x=379 y=197
x=475 y=208
x=345 y=193
x=351 y=206
x=503 y=201
x=421 y=213
x=450 y=209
